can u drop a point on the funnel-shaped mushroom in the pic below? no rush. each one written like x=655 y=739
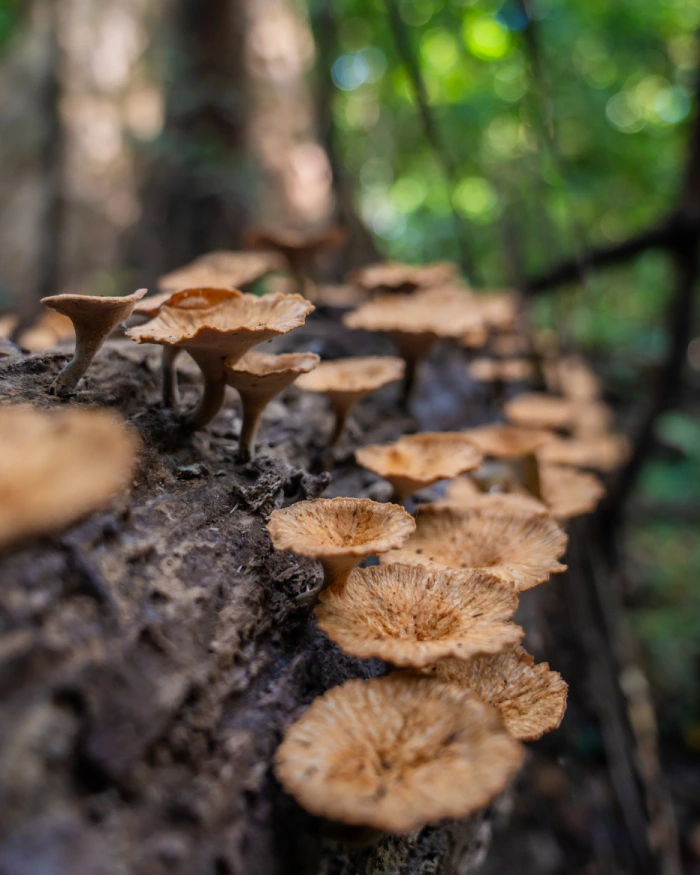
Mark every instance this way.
x=569 y=493
x=413 y=616
x=221 y=269
x=258 y=377
x=49 y=329
x=393 y=276
x=213 y=325
x=502 y=441
x=463 y=492
x=416 y=322
x=93 y=319
x=517 y=547
x=571 y=376
x=298 y=249
x=57 y=466
x=530 y=698
x=417 y=461
x=396 y=753
x=510 y=343
x=539 y=410
x=339 y=532
x=487 y=370
x=591 y=419
x=499 y=310
x=599 y=453
x=345 y=382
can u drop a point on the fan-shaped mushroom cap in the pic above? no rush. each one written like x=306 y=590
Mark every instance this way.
x=463 y=492
x=57 y=466
x=403 y=277
x=502 y=441
x=151 y=304
x=539 y=410
x=412 y=616
x=416 y=461
x=340 y=532
x=530 y=698
x=487 y=370
x=604 y=452
x=422 y=316
x=569 y=493
x=572 y=377
x=592 y=419
x=260 y=374
x=227 y=270
x=396 y=753
x=289 y=241
x=499 y=310
x=517 y=547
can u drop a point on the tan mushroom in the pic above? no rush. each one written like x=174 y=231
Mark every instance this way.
x=591 y=419
x=499 y=371
x=339 y=532
x=417 y=461
x=49 y=329
x=569 y=493
x=396 y=753
x=539 y=410
x=345 y=382
x=530 y=698
x=221 y=269
x=213 y=325
x=258 y=377
x=572 y=377
x=503 y=441
x=393 y=276
x=604 y=452
x=413 y=616
x=499 y=309
x=464 y=492
x=58 y=466
x=520 y=548
x=93 y=318
x=510 y=343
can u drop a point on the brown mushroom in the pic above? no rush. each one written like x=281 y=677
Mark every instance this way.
x=258 y=377
x=93 y=318
x=417 y=461
x=339 y=532
x=503 y=441
x=569 y=493
x=539 y=410
x=393 y=276
x=463 y=492
x=591 y=419
x=213 y=325
x=572 y=377
x=345 y=382
x=221 y=269
x=520 y=548
x=499 y=309
x=499 y=371
x=58 y=466
x=530 y=698
x=396 y=753
x=604 y=452
x=413 y=616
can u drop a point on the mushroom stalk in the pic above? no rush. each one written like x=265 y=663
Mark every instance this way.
x=86 y=347
x=413 y=348
x=528 y=473
x=341 y=409
x=336 y=571
x=171 y=396
x=252 y=413
x=211 y=401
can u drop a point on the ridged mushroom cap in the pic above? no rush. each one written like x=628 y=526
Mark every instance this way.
x=604 y=452
x=339 y=527
x=516 y=547
x=539 y=410
x=413 y=616
x=290 y=241
x=221 y=269
x=502 y=441
x=569 y=493
x=463 y=492
x=260 y=373
x=396 y=753
x=353 y=377
x=530 y=698
x=419 y=314
x=57 y=466
x=92 y=312
x=416 y=461
x=396 y=275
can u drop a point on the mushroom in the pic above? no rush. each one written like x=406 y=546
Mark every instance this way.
x=416 y=322
x=416 y=461
x=567 y=492
x=503 y=441
x=58 y=466
x=345 y=382
x=213 y=325
x=393 y=276
x=93 y=318
x=258 y=377
x=339 y=532
x=604 y=452
x=221 y=269
x=591 y=419
x=571 y=376
x=539 y=410
x=510 y=343
x=521 y=548
x=412 y=616
x=395 y=753
x=530 y=698
x=463 y=492
x=499 y=371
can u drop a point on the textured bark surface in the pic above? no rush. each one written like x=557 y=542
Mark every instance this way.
x=151 y=657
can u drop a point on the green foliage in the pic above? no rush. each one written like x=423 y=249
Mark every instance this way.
x=9 y=21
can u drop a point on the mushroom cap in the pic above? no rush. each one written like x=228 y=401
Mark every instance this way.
x=572 y=377
x=499 y=309
x=509 y=343
x=57 y=466
x=503 y=441
x=49 y=329
x=353 y=378
x=487 y=370
x=520 y=548
x=421 y=314
x=569 y=493
x=289 y=241
x=463 y=492
x=396 y=753
x=413 y=616
x=591 y=419
x=99 y=313
x=539 y=410
x=341 y=296
x=214 y=323
x=221 y=269
x=419 y=460
x=260 y=373
x=604 y=452
x=530 y=698
x=396 y=275
x=151 y=304
x=328 y=527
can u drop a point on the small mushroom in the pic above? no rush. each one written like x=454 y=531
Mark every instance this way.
x=604 y=452
x=339 y=532
x=221 y=269
x=213 y=325
x=395 y=753
x=510 y=343
x=393 y=276
x=591 y=419
x=499 y=309
x=463 y=492
x=412 y=616
x=47 y=331
x=258 y=377
x=345 y=382
x=520 y=548
x=417 y=461
x=530 y=698
x=503 y=441
x=298 y=249
x=569 y=493
x=539 y=410
x=93 y=318
x=499 y=371
x=572 y=377
x=58 y=466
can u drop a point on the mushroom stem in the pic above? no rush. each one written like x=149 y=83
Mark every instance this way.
x=87 y=343
x=252 y=412
x=528 y=473
x=171 y=396
x=211 y=401
x=336 y=571
x=413 y=348
x=341 y=409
